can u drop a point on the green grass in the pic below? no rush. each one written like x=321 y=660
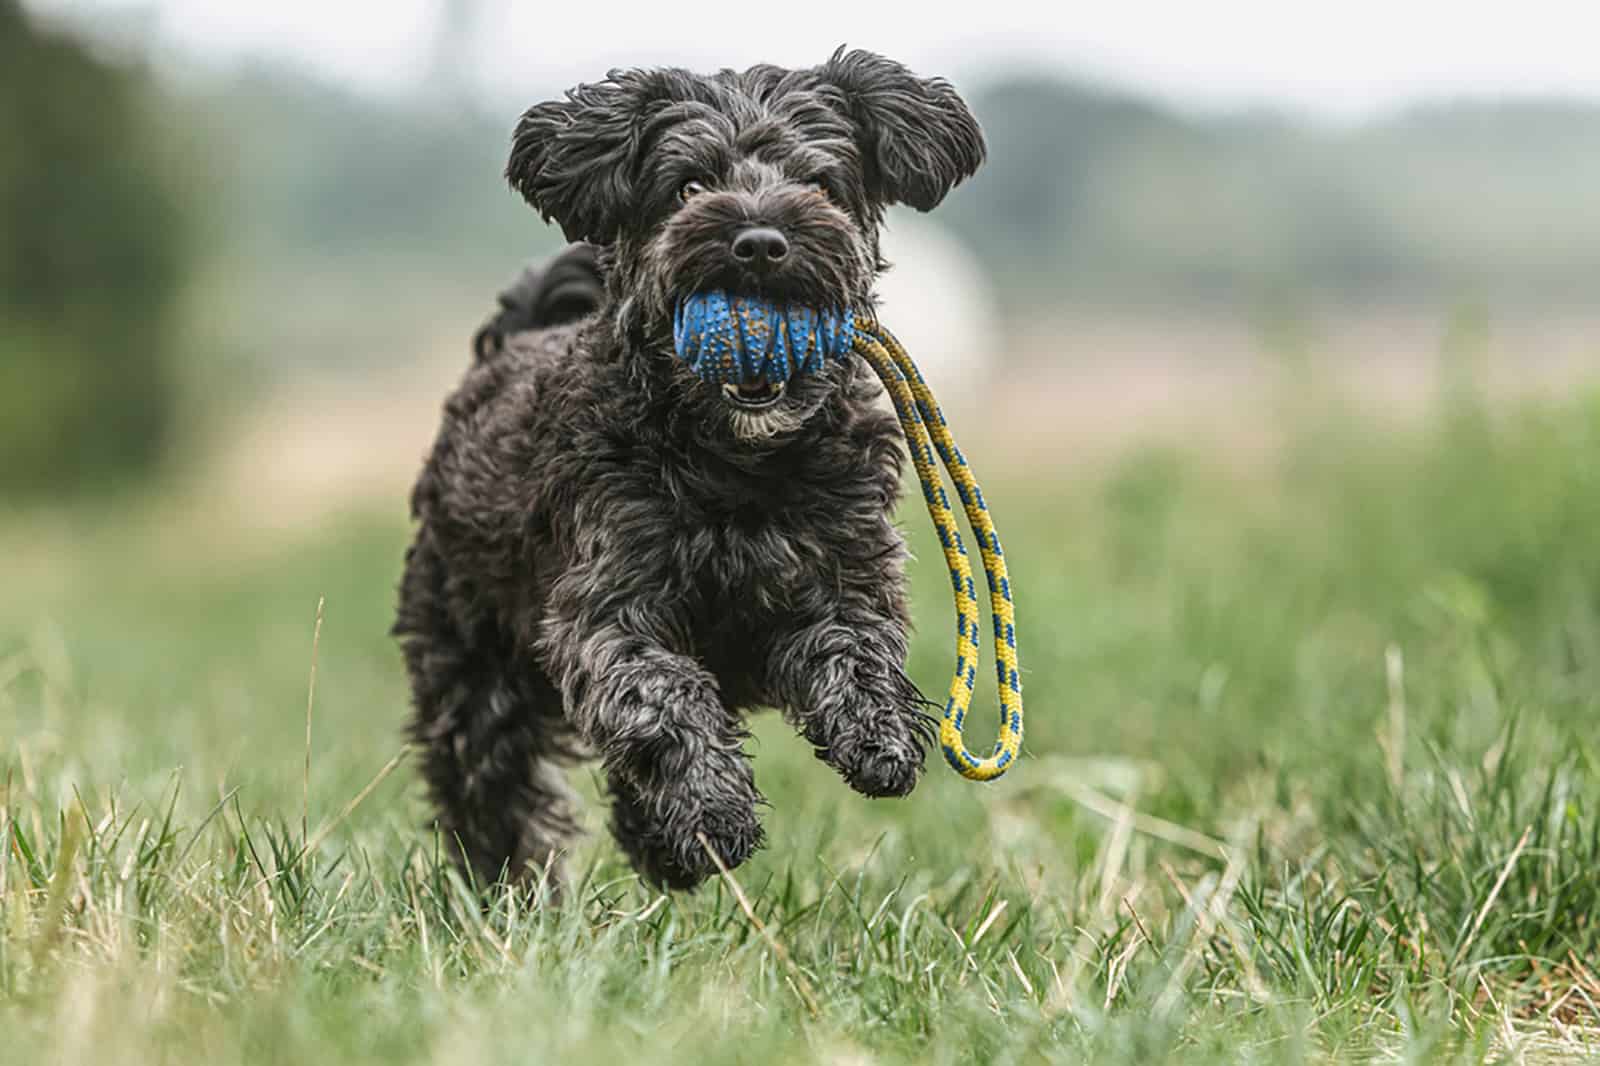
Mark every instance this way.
x=1310 y=776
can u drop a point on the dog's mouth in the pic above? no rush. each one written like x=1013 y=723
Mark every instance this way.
x=755 y=395
x=750 y=346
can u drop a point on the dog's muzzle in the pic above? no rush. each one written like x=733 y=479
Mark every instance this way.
x=752 y=347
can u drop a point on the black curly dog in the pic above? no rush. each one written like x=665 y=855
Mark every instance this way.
x=615 y=559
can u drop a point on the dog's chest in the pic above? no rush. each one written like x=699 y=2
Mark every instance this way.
x=749 y=552
x=749 y=561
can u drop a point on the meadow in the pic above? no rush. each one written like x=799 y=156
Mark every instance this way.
x=1310 y=776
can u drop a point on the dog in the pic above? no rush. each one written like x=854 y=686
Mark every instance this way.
x=614 y=559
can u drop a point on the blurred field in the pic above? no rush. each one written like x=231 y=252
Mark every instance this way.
x=1073 y=391
x=1310 y=777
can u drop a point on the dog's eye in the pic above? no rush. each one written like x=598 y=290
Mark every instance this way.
x=820 y=187
x=691 y=189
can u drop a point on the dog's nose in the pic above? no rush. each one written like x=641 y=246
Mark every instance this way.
x=760 y=246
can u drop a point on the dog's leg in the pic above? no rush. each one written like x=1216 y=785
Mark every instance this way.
x=492 y=740
x=840 y=675
x=673 y=759
x=671 y=748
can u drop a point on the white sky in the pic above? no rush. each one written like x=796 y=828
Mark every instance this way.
x=1341 y=59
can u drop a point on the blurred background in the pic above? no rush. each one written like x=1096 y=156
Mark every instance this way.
x=244 y=245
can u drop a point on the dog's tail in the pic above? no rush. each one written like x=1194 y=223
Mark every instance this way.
x=553 y=293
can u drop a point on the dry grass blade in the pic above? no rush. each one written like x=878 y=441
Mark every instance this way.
x=1112 y=858
x=1118 y=967
x=1494 y=893
x=1208 y=918
x=55 y=907
x=1149 y=825
x=333 y=823
x=311 y=699
x=993 y=916
x=802 y=987
x=1394 y=740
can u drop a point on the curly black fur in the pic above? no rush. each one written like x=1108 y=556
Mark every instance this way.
x=562 y=291
x=615 y=561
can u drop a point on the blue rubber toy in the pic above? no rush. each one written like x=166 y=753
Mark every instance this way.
x=739 y=340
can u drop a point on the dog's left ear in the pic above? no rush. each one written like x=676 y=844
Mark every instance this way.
x=576 y=160
x=918 y=137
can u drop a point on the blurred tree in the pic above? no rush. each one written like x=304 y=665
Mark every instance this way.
x=93 y=244
x=1050 y=141
x=382 y=220
x=1093 y=196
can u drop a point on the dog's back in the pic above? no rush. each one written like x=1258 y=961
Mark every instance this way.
x=554 y=293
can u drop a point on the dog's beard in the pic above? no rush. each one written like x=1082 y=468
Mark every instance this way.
x=759 y=427
x=803 y=397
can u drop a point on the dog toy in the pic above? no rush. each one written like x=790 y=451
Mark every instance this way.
x=733 y=339
x=742 y=339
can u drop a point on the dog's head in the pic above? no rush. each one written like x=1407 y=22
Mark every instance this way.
x=766 y=182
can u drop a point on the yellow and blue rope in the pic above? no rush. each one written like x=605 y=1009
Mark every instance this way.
x=926 y=431
x=739 y=338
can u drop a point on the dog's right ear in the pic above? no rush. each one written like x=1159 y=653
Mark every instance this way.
x=919 y=138
x=576 y=160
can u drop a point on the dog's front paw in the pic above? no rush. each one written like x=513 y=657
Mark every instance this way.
x=877 y=743
x=665 y=826
x=878 y=762
x=882 y=766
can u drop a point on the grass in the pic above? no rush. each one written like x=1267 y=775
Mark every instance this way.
x=1310 y=777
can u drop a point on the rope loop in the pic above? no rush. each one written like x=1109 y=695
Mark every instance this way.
x=930 y=442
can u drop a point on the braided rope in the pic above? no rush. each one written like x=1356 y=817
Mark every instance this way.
x=926 y=431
